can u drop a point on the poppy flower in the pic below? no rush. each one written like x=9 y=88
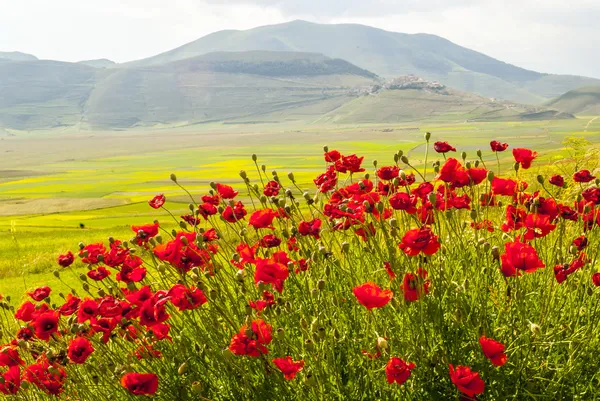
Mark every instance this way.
x=145 y=232
x=596 y=279
x=493 y=350
x=498 y=146
x=157 y=201
x=452 y=172
x=506 y=187
x=207 y=209
x=9 y=356
x=311 y=227
x=49 y=381
x=288 y=366
x=235 y=213
x=90 y=253
x=271 y=271
x=443 y=147
x=263 y=219
x=424 y=189
x=88 y=309
x=414 y=286
x=269 y=241
x=12 y=381
x=252 y=341
x=25 y=311
x=466 y=381
x=484 y=224
x=592 y=195
x=109 y=306
x=140 y=383
x=98 y=274
x=519 y=257
x=524 y=156
x=349 y=164
x=226 y=192
x=326 y=181
x=268 y=299
x=70 y=306
x=66 y=259
x=184 y=298
x=557 y=180
x=79 y=350
x=371 y=296
x=388 y=172
x=583 y=176
x=272 y=188
x=398 y=371
x=388 y=268
x=419 y=240
x=538 y=225
x=477 y=175
x=404 y=201
x=332 y=156
x=45 y=325
x=41 y=293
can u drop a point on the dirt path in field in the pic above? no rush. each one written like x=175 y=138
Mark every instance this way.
x=589 y=122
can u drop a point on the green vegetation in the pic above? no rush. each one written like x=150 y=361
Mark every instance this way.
x=583 y=101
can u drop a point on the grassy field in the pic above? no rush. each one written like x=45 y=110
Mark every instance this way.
x=53 y=182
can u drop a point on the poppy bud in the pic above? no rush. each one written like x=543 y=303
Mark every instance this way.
x=427 y=136
x=81 y=245
x=82 y=277
x=468 y=164
x=481 y=241
x=254 y=157
x=243 y=174
x=473 y=214
x=240 y=275
x=400 y=153
x=327 y=270
x=303 y=323
x=496 y=253
x=535 y=329
x=161 y=268
x=263 y=199
x=516 y=166
x=366 y=176
x=436 y=168
x=490 y=176
x=182 y=225
x=394 y=223
x=597 y=182
x=173 y=177
x=325 y=148
x=321 y=332
x=374 y=163
x=345 y=247
x=432 y=198
x=476 y=163
x=56 y=273
x=403 y=175
x=321 y=284
x=309 y=345
x=540 y=179
x=182 y=369
x=380 y=207
x=306 y=195
x=382 y=343
x=85 y=287
x=404 y=159
x=196 y=387
x=263 y=168
x=101 y=293
x=479 y=153
x=131 y=251
x=486 y=246
x=25 y=385
x=464 y=155
x=322 y=250
x=280 y=334
x=396 y=158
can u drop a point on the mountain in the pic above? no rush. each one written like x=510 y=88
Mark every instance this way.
x=388 y=54
x=17 y=56
x=99 y=63
x=583 y=101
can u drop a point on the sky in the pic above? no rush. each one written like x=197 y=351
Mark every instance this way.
x=553 y=36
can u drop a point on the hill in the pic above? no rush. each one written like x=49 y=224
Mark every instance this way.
x=17 y=56
x=99 y=63
x=584 y=101
x=388 y=54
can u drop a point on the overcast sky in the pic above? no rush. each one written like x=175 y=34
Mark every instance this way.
x=554 y=36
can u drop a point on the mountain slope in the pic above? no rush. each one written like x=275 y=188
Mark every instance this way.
x=17 y=56
x=584 y=101
x=99 y=63
x=387 y=54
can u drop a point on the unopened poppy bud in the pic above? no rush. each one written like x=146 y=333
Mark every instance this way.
x=239 y=275
x=400 y=153
x=476 y=163
x=396 y=158
x=468 y=165
x=82 y=277
x=496 y=253
x=436 y=168
x=481 y=241
x=345 y=247
x=101 y=292
x=366 y=176
x=380 y=207
x=597 y=182
x=182 y=225
x=263 y=167
x=325 y=148
x=173 y=177
x=516 y=166
x=473 y=214
x=196 y=387
x=161 y=268
x=56 y=273
x=490 y=176
x=486 y=246
x=306 y=195
x=432 y=198
x=182 y=369
x=81 y=245
x=327 y=270
x=479 y=153
x=322 y=250
x=184 y=240
x=321 y=284
x=131 y=251
x=85 y=287
x=321 y=332
x=540 y=179
x=25 y=385
x=404 y=159
x=535 y=329
x=427 y=136
x=152 y=242
x=263 y=199
x=382 y=343
x=243 y=174
x=500 y=203
x=309 y=345
x=464 y=155
x=394 y=223
x=280 y=334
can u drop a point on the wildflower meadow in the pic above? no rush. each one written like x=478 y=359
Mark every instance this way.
x=453 y=279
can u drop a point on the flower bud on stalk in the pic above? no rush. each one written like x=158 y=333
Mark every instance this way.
x=540 y=179
x=173 y=177
x=404 y=159
x=464 y=156
x=490 y=176
x=496 y=253
x=196 y=387
x=382 y=343
x=243 y=174
x=427 y=136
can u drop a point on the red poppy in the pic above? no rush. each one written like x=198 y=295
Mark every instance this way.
x=235 y=213
x=388 y=172
x=213 y=199
x=88 y=309
x=404 y=201
x=398 y=370
x=145 y=232
x=268 y=299
x=557 y=180
x=519 y=257
x=419 y=240
x=79 y=350
x=12 y=381
x=484 y=224
x=272 y=188
x=90 y=253
x=326 y=181
x=596 y=279
x=311 y=227
x=477 y=175
x=269 y=241
x=207 y=209
x=349 y=164
x=506 y=187
x=580 y=242
x=263 y=219
x=252 y=340
x=538 y=225
x=452 y=172
x=41 y=293
x=131 y=270
x=184 y=298
x=332 y=156
x=271 y=271
x=583 y=176
x=498 y=146
x=388 y=268
x=45 y=325
x=493 y=350
x=109 y=306
x=25 y=311
x=49 y=381
x=140 y=383
x=157 y=201
x=414 y=286
x=467 y=382
x=443 y=147
x=288 y=366
x=99 y=274
x=524 y=156
x=592 y=195
x=66 y=259
x=9 y=356
x=226 y=192
x=70 y=306
x=371 y=296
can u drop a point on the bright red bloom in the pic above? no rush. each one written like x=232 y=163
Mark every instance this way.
x=424 y=189
x=109 y=306
x=90 y=253
x=519 y=257
x=493 y=350
x=272 y=188
x=268 y=299
x=191 y=220
x=214 y=199
x=45 y=325
x=184 y=298
x=131 y=271
x=524 y=156
x=235 y=213
x=157 y=201
x=263 y=219
x=326 y=181
x=145 y=232
x=419 y=240
x=70 y=306
x=580 y=242
x=47 y=381
x=269 y=241
x=79 y=350
x=557 y=180
x=498 y=146
x=596 y=279
x=414 y=286
x=288 y=366
x=443 y=147
x=88 y=309
x=207 y=209
x=404 y=201
x=371 y=296
x=99 y=274
x=332 y=156
x=349 y=164
x=41 y=293
x=592 y=195
x=467 y=382
x=388 y=268
x=398 y=371
x=477 y=175
x=140 y=383
x=12 y=381
x=66 y=260
x=312 y=227
x=271 y=271
x=452 y=172
x=484 y=224
x=226 y=192
x=25 y=311
x=252 y=340
x=583 y=176
x=9 y=356
x=538 y=225
x=388 y=172
x=506 y=187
